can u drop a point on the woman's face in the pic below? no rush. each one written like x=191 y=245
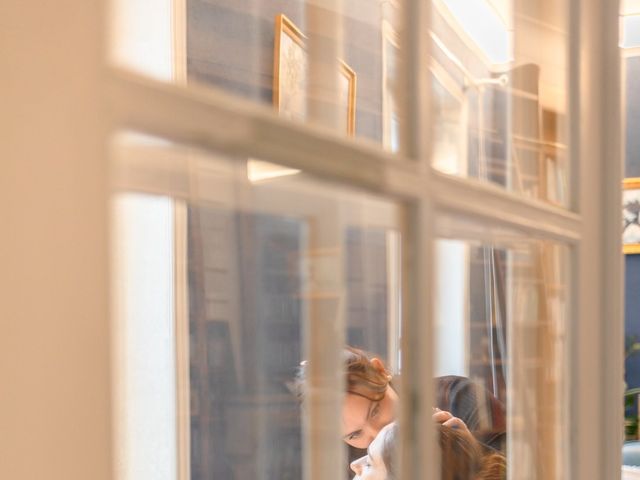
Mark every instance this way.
x=362 y=419
x=371 y=466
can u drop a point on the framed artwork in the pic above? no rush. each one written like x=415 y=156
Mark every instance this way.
x=348 y=97
x=631 y=215
x=290 y=76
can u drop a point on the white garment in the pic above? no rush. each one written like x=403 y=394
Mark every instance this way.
x=630 y=473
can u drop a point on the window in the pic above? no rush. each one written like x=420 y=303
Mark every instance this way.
x=244 y=241
x=297 y=239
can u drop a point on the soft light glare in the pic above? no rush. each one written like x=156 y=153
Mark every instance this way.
x=484 y=26
x=141 y=37
x=630 y=31
x=258 y=170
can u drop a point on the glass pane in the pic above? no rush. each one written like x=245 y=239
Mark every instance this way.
x=630 y=28
x=333 y=64
x=499 y=82
x=501 y=354
x=630 y=62
x=225 y=268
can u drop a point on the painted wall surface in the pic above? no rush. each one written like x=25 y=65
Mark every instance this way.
x=230 y=45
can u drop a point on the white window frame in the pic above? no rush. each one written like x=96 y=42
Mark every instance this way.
x=105 y=99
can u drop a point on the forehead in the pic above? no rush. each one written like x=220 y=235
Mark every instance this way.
x=354 y=410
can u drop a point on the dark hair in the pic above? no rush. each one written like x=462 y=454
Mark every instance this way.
x=462 y=457
x=494 y=467
x=461 y=454
x=361 y=376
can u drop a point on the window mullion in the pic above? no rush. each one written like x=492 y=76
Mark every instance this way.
x=476 y=201
x=597 y=316
x=417 y=394
x=190 y=117
x=324 y=324
x=600 y=286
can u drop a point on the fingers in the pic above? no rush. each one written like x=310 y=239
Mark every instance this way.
x=448 y=420
x=455 y=422
x=441 y=416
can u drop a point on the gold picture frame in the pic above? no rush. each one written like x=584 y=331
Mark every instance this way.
x=289 y=76
x=631 y=215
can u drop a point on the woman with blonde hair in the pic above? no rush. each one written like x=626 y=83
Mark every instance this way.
x=371 y=403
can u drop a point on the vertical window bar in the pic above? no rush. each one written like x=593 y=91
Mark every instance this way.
x=418 y=458
x=573 y=107
x=181 y=319
x=574 y=46
x=611 y=160
x=324 y=26
x=417 y=443
x=324 y=452
x=597 y=319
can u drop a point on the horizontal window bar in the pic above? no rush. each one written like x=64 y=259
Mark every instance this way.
x=235 y=127
x=497 y=206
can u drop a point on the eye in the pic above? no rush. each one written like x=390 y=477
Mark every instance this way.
x=375 y=410
x=354 y=435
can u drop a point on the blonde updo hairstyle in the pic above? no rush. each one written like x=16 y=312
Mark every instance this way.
x=362 y=376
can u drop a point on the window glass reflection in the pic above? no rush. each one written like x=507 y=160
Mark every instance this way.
x=267 y=250
x=261 y=51
x=507 y=348
x=499 y=91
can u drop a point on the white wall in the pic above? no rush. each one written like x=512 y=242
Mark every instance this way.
x=142 y=36
x=451 y=307
x=144 y=338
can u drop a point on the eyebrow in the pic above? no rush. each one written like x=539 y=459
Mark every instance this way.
x=371 y=406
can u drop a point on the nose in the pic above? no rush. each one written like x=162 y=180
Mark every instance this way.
x=356 y=466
